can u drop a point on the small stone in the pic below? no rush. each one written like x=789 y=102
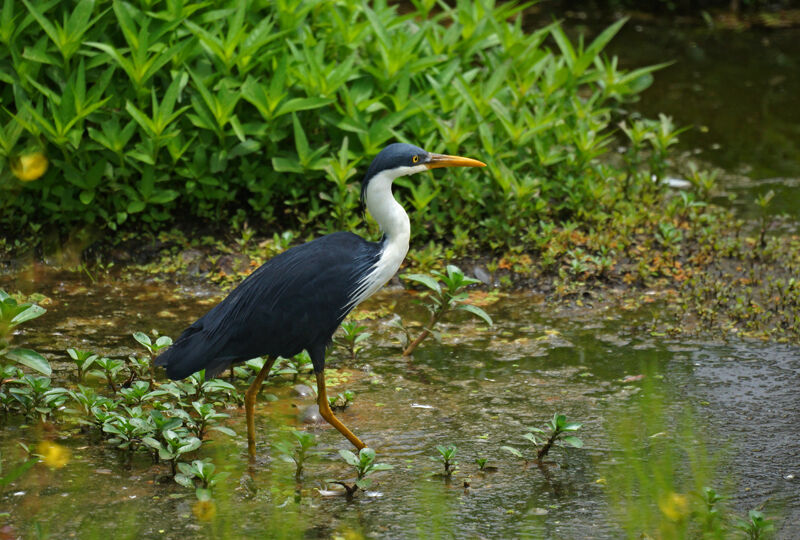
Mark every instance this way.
x=482 y=274
x=232 y=264
x=188 y=256
x=310 y=415
x=303 y=390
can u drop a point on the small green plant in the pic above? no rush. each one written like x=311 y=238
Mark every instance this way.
x=153 y=348
x=127 y=431
x=298 y=451
x=195 y=387
x=756 y=526
x=109 y=369
x=83 y=361
x=200 y=473
x=137 y=393
x=481 y=462
x=36 y=397
x=173 y=446
x=763 y=202
x=713 y=518
x=364 y=465
x=352 y=335
x=442 y=300
x=558 y=429
x=341 y=401
x=447 y=457
x=12 y=314
x=202 y=418
x=141 y=367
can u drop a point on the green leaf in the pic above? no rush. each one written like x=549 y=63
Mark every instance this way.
x=86 y=197
x=142 y=338
x=184 y=480
x=573 y=441
x=364 y=483
x=226 y=430
x=512 y=450
x=426 y=280
x=32 y=312
x=31 y=359
x=135 y=207
x=349 y=457
x=151 y=442
x=475 y=310
x=301 y=104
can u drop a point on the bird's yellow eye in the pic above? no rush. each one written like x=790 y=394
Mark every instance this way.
x=415 y=159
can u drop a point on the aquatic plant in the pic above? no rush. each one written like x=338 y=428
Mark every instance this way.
x=482 y=463
x=36 y=397
x=110 y=370
x=756 y=526
x=137 y=393
x=350 y=338
x=342 y=400
x=197 y=387
x=440 y=300
x=162 y=342
x=447 y=457
x=13 y=314
x=200 y=473
x=558 y=429
x=139 y=368
x=128 y=429
x=204 y=417
x=364 y=465
x=294 y=366
x=83 y=361
x=298 y=450
x=173 y=446
x=763 y=201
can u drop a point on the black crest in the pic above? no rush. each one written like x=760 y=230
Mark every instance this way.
x=393 y=156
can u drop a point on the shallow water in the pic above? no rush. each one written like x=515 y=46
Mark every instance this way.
x=480 y=389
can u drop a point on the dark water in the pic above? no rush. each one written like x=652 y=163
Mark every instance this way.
x=741 y=92
x=479 y=390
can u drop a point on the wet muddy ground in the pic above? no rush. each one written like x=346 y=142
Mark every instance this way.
x=479 y=389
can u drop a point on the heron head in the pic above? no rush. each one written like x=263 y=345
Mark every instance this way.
x=402 y=159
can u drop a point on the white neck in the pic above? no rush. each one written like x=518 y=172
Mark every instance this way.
x=389 y=214
x=394 y=223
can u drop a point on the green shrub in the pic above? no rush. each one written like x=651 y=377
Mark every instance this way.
x=156 y=111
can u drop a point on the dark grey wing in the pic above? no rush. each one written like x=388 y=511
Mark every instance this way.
x=294 y=301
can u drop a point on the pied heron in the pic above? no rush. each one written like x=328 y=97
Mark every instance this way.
x=297 y=299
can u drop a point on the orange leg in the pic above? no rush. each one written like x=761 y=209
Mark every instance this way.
x=250 y=403
x=327 y=413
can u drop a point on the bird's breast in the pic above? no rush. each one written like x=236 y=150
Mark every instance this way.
x=393 y=252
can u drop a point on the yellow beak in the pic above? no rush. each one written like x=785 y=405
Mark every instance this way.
x=438 y=161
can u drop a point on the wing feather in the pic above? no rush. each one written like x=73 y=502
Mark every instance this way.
x=294 y=301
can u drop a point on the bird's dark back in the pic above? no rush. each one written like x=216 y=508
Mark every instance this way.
x=294 y=301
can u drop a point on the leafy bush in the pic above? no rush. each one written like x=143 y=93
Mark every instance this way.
x=155 y=111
